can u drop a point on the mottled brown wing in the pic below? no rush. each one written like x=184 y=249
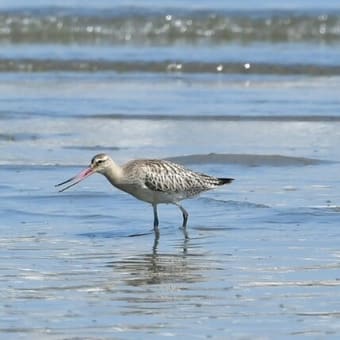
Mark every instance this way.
x=169 y=177
x=164 y=177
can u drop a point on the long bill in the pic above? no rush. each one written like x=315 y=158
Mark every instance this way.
x=78 y=178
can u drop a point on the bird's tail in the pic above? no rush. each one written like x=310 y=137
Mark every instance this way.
x=222 y=181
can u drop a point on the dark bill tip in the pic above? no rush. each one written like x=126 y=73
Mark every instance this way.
x=78 y=178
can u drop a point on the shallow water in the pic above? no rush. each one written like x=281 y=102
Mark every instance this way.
x=259 y=105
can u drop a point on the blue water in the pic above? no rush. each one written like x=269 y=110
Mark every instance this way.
x=244 y=90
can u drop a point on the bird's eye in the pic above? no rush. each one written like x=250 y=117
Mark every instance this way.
x=99 y=161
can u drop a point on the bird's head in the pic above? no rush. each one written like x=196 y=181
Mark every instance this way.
x=99 y=163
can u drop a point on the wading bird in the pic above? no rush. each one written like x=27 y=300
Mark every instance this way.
x=152 y=181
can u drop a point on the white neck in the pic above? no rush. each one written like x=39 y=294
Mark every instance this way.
x=114 y=173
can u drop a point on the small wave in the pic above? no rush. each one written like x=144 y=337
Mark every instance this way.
x=6 y=137
x=180 y=117
x=246 y=160
x=304 y=215
x=332 y=209
x=165 y=26
x=166 y=66
x=233 y=204
x=306 y=283
x=95 y=148
x=18 y=214
x=19 y=137
x=102 y=234
x=213 y=228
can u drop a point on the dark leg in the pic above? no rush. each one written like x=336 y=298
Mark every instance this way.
x=185 y=220
x=155 y=221
x=155 y=245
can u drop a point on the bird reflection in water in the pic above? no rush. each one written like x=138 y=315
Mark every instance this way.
x=156 y=268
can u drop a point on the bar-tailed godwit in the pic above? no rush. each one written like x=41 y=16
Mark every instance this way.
x=151 y=180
